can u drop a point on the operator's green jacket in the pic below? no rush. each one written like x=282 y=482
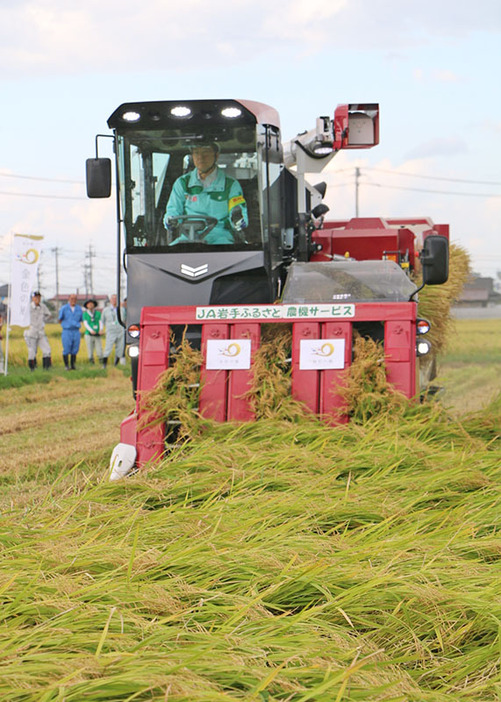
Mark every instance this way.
x=218 y=199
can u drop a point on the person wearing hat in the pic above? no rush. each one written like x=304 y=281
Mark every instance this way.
x=208 y=191
x=35 y=335
x=70 y=318
x=93 y=330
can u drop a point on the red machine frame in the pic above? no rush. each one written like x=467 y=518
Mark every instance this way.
x=223 y=393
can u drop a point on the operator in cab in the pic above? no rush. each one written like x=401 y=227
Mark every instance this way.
x=206 y=191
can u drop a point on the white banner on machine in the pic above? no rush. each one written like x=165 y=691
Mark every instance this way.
x=228 y=354
x=321 y=354
x=23 y=278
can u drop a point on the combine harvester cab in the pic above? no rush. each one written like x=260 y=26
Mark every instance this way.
x=219 y=292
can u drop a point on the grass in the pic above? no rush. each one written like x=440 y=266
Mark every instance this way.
x=268 y=561
x=18 y=361
x=476 y=341
x=470 y=369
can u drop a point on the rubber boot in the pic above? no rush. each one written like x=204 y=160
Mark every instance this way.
x=104 y=361
x=65 y=359
x=73 y=359
x=116 y=361
x=47 y=362
x=31 y=364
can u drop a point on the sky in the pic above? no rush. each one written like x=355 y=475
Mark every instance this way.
x=433 y=67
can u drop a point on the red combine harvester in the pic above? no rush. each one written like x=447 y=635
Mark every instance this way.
x=216 y=259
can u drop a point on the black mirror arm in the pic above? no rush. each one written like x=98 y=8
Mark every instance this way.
x=411 y=297
x=102 y=136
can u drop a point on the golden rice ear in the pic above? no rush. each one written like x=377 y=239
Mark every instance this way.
x=270 y=392
x=435 y=301
x=366 y=391
x=175 y=397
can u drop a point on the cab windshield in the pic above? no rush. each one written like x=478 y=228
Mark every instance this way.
x=168 y=201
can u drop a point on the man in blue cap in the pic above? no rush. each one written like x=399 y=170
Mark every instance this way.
x=208 y=191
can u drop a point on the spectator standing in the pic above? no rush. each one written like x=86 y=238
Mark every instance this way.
x=35 y=336
x=114 y=332
x=93 y=330
x=70 y=318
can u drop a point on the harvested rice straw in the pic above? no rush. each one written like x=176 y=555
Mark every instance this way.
x=435 y=301
x=175 y=397
x=365 y=389
x=270 y=393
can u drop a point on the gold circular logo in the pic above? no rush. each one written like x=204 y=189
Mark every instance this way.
x=232 y=350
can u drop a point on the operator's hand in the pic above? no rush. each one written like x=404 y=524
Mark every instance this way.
x=237 y=219
x=171 y=225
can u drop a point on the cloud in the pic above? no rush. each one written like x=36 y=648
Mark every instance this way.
x=436 y=76
x=446 y=76
x=445 y=146
x=54 y=36
x=490 y=125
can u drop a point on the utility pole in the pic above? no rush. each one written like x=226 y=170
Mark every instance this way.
x=55 y=250
x=89 y=284
x=357 y=178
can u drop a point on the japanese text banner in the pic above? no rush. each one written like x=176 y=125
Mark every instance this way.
x=24 y=269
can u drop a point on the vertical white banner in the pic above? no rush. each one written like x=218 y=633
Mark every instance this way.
x=23 y=277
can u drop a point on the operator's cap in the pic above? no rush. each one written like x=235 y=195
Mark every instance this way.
x=206 y=142
x=37 y=293
x=87 y=302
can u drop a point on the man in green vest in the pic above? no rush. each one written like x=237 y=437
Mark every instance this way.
x=93 y=330
x=208 y=191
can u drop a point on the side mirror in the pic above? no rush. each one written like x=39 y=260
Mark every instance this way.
x=98 y=177
x=320 y=210
x=435 y=260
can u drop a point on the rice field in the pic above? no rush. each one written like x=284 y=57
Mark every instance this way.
x=278 y=560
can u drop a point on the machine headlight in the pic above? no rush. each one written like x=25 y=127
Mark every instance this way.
x=133 y=330
x=423 y=347
x=131 y=116
x=322 y=149
x=231 y=112
x=133 y=351
x=181 y=111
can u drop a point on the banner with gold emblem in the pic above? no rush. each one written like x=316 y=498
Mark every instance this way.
x=23 y=280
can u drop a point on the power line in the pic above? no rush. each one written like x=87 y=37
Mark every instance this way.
x=357 y=171
x=47 y=180
x=48 y=197
x=450 y=180
x=436 y=192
